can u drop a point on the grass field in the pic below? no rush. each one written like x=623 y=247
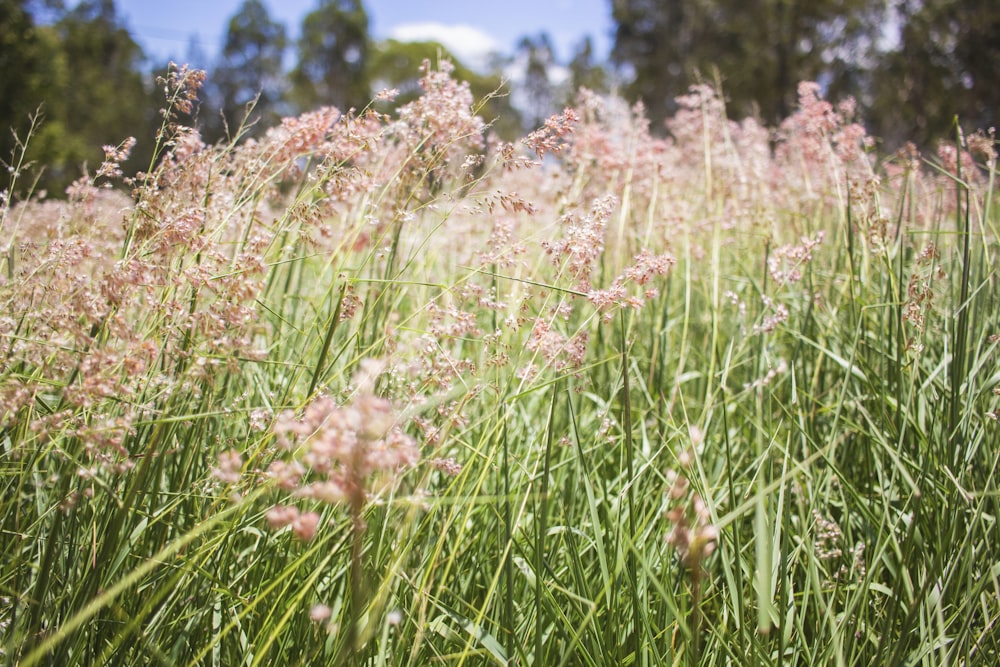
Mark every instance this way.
x=383 y=390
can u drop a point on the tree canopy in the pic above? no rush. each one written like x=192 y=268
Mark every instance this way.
x=69 y=72
x=333 y=54
x=759 y=48
x=912 y=65
x=250 y=69
x=944 y=65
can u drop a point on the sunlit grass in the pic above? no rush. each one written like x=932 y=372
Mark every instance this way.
x=770 y=439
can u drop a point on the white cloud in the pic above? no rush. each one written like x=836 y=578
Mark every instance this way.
x=470 y=44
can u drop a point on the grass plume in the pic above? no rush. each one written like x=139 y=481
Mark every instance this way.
x=386 y=390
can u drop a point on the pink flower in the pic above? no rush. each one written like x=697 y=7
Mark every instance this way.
x=280 y=516
x=319 y=613
x=304 y=526
x=229 y=468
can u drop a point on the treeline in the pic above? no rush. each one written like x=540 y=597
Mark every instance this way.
x=912 y=66
x=73 y=78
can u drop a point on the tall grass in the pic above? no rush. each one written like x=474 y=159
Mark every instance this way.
x=380 y=389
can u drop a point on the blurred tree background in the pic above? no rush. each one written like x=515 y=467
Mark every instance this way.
x=760 y=49
x=248 y=74
x=912 y=65
x=333 y=57
x=80 y=76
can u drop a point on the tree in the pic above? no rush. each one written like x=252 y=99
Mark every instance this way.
x=71 y=69
x=760 y=48
x=105 y=64
x=332 y=57
x=27 y=62
x=584 y=71
x=538 y=91
x=250 y=69
x=944 y=65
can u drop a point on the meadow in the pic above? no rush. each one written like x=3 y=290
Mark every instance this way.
x=376 y=388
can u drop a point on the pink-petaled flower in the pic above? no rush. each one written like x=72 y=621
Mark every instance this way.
x=229 y=468
x=527 y=372
x=338 y=453
x=259 y=419
x=983 y=144
x=583 y=241
x=181 y=86
x=779 y=315
x=328 y=491
x=319 y=613
x=558 y=350
x=819 y=114
x=280 y=516
x=114 y=156
x=605 y=299
x=780 y=369
x=700 y=113
x=692 y=533
x=286 y=474
x=448 y=466
x=443 y=116
x=786 y=262
x=647 y=266
x=304 y=526
x=298 y=136
x=546 y=139
x=954 y=161
x=823 y=140
x=851 y=140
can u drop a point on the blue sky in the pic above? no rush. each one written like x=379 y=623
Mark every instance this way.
x=468 y=27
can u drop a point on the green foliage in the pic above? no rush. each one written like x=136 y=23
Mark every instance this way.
x=912 y=66
x=761 y=49
x=694 y=402
x=585 y=70
x=942 y=67
x=26 y=62
x=67 y=71
x=333 y=54
x=249 y=76
x=103 y=63
x=65 y=63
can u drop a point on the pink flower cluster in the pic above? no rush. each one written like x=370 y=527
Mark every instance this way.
x=338 y=452
x=547 y=139
x=785 y=263
x=646 y=266
x=582 y=242
x=692 y=533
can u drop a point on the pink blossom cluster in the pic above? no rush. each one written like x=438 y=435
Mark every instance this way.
x=786 y=262
x=337 y=453
x=692 y=533
x=547 y=139
x=582 y=242
x=646 y=266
